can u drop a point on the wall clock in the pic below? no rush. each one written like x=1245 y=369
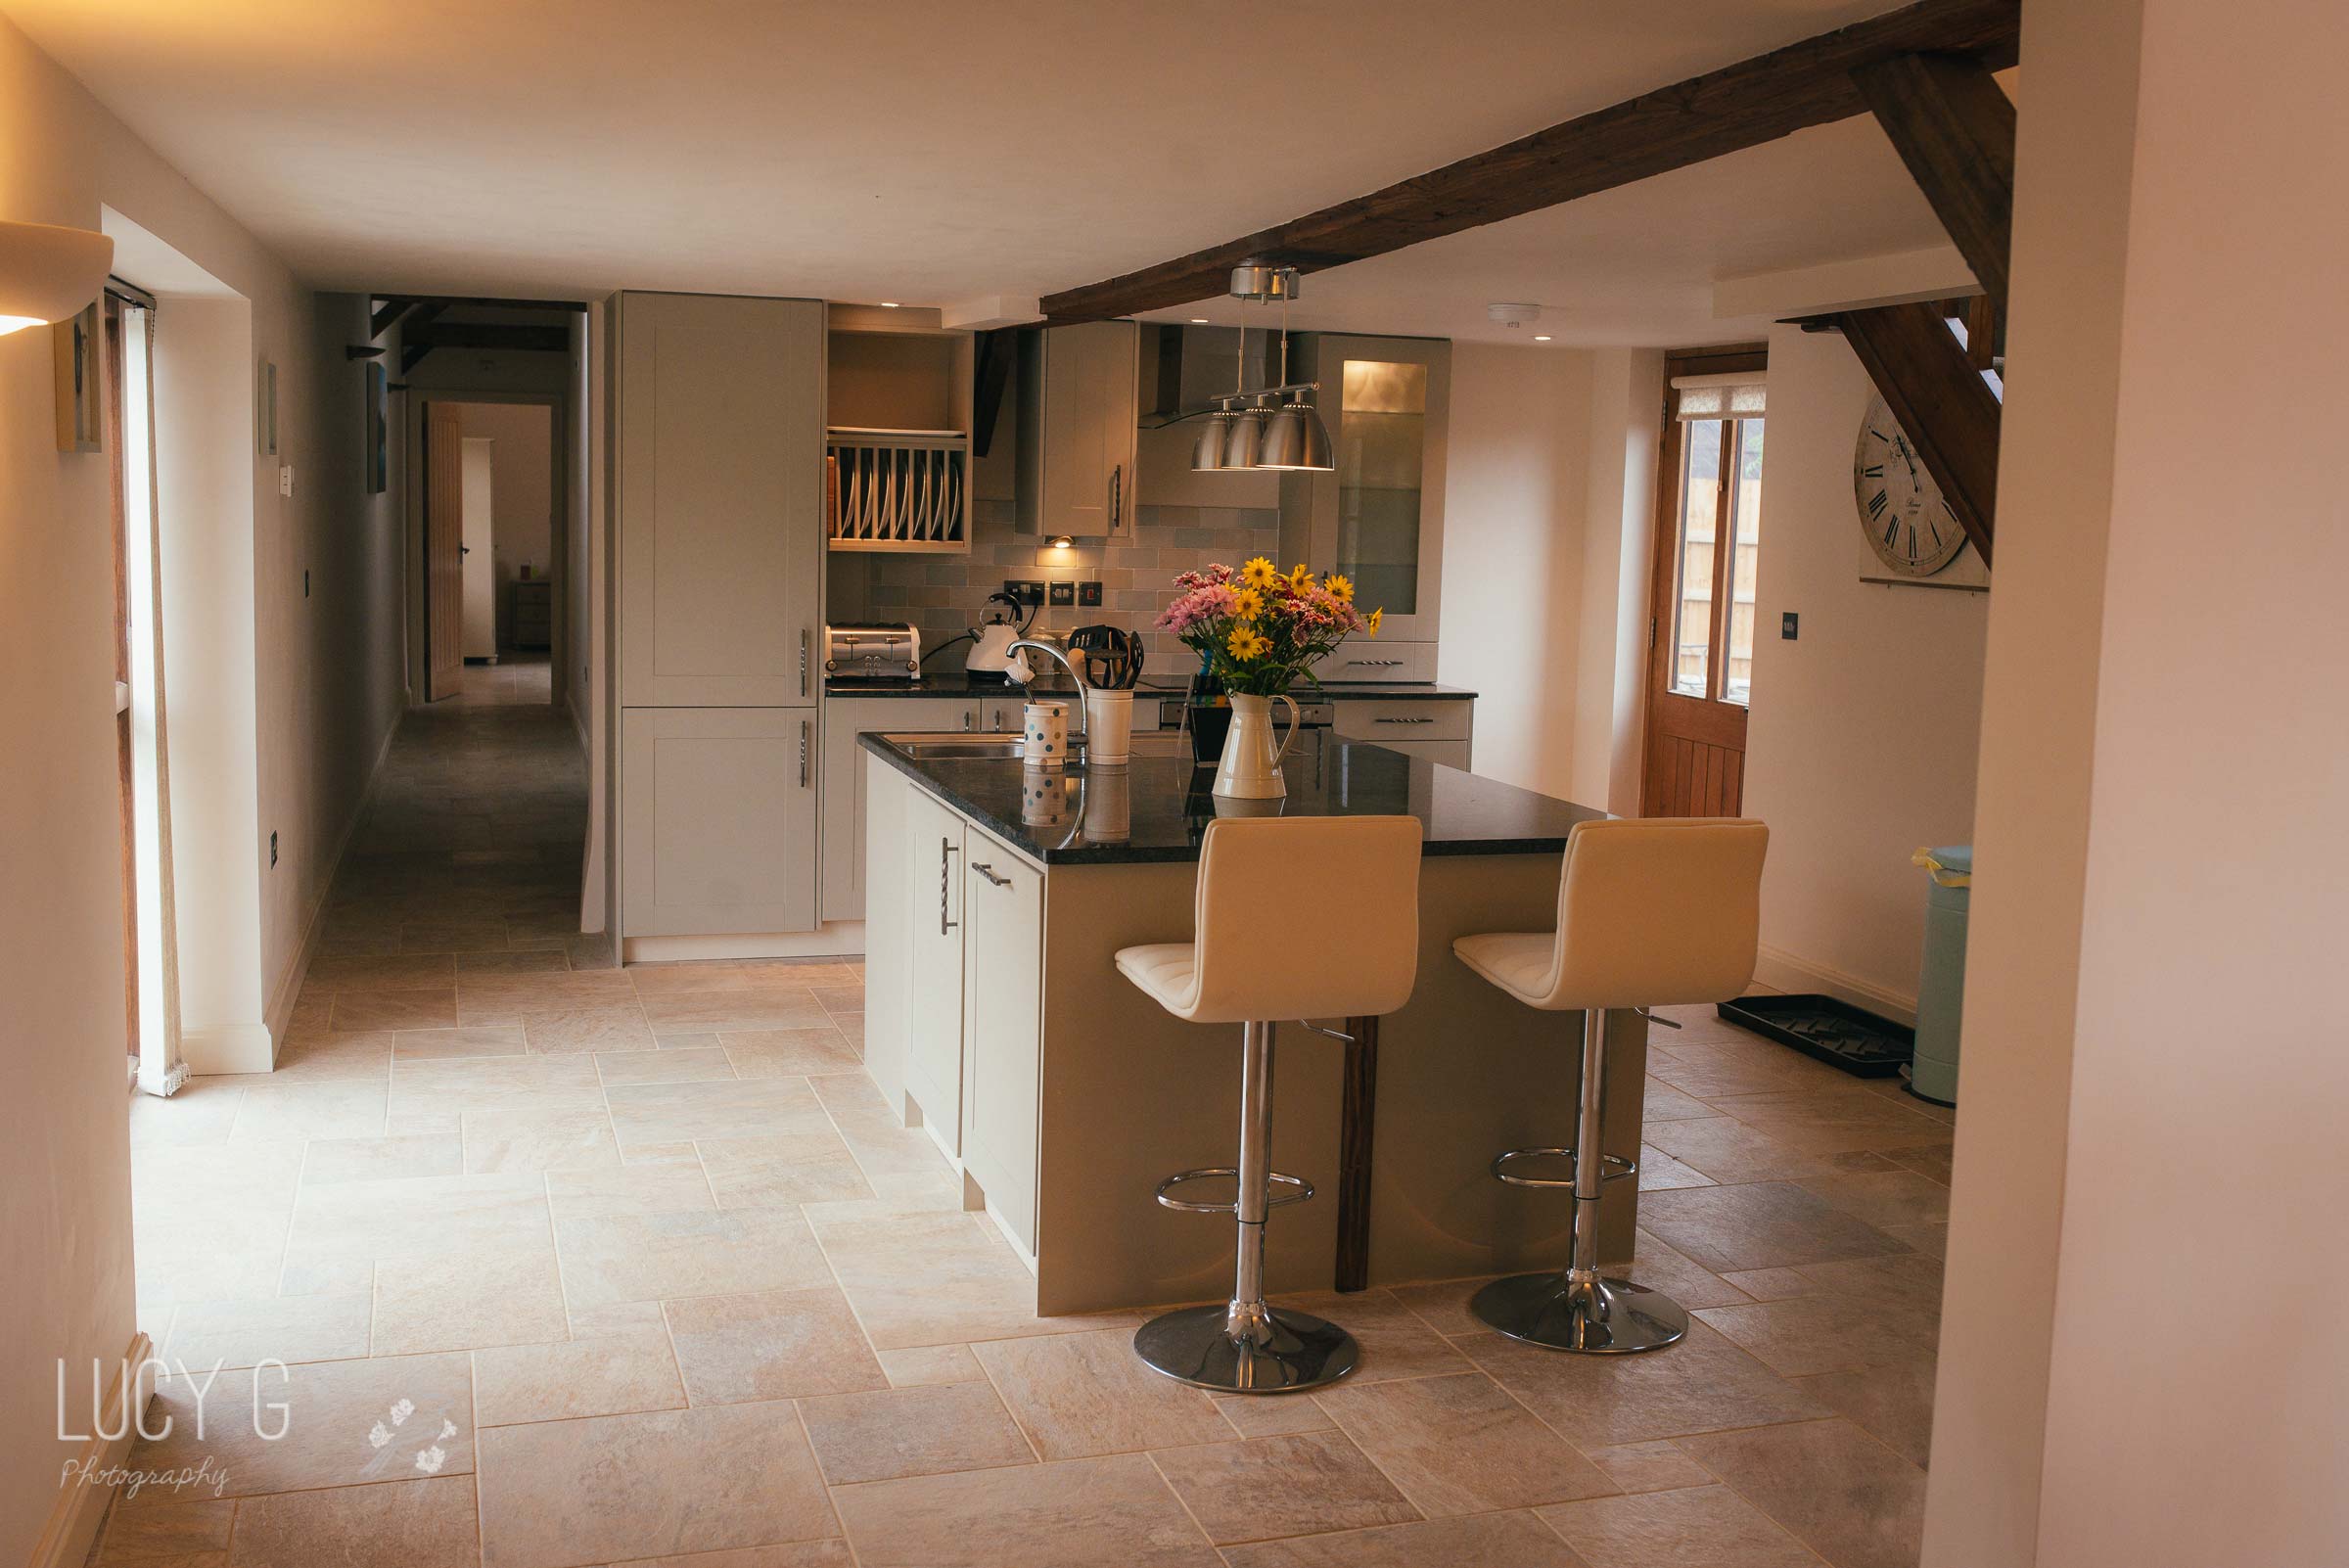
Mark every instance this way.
x=1908 y=524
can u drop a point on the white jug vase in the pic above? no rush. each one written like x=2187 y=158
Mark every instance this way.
x=1250 y=767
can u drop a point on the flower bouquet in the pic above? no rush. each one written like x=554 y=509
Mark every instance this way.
x=1257 y=631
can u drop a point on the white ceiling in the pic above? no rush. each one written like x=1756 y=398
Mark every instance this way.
x=930 y=151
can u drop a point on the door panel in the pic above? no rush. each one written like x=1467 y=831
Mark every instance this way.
x=443 y=552
x=1700 y=626
x=1002 y=1022
x=722 y=484
x=718 y=828
x=934 y=895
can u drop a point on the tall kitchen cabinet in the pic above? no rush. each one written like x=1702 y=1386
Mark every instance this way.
x=1378 y=518
x=721 y=549
x=1078 y=434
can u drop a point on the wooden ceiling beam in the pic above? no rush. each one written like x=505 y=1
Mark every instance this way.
x=387 y=315
x=498 y=337
x=1726 y=110
x=1954 y=126
x=1945 y=409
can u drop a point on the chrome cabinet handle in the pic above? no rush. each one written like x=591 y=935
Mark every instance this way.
x=1117 y=497
x=989 y=872
x=946 y=847
x=1402 y=722
x=803 y=737
x=802 y=661
x=1375 y=664
x=970 y=718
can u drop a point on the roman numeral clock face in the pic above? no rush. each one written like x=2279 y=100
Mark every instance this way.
x=1907 y=523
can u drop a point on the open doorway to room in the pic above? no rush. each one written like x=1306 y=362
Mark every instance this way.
x=1701 y=609
x=493 y=488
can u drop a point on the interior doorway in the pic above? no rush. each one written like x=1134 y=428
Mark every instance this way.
x=494 y=492
x=1702 y=579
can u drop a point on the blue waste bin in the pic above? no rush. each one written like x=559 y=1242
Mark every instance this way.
x=1941 y=979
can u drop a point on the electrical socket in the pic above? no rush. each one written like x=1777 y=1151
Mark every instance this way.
x=1790 y=625
x=1064 y=593
x=1028 y=590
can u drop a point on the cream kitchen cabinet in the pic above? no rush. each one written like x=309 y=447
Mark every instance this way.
x=717 y=820
x=1378 y=518
x=1003 y=1028
x=720 y=532
x=1079 y=413
x=1440 y=729
x=935 y=939
x=845 y=763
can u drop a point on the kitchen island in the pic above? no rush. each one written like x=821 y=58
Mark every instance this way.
x=995 y=1017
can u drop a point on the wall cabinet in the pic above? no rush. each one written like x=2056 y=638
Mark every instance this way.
x=720 y=446
x=1379 y=517
x=845 y=763
x=1002 y=1026
x=1080 y=409
x=717 y=832
x=932 y=868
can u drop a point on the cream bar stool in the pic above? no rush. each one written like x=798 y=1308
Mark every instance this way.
x=1313 y=917
x=1653 y=913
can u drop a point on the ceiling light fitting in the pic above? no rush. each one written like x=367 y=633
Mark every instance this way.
x=1253 y=429
x=49 y=273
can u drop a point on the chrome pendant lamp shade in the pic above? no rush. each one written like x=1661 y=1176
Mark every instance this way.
x=1206 y=453
x=1295 y=440
x=1244 y=438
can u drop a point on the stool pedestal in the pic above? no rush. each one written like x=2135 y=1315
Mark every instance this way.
x=1247 y=1345
x=1579 y=1310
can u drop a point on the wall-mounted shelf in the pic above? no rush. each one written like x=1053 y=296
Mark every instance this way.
x=903 y=490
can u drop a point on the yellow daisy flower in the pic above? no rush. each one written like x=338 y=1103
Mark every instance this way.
x=1376 y=616
x=1301 y=580
x=1248 y=604
x=1259 y=572
x=1339 y=588
x=1244 y=643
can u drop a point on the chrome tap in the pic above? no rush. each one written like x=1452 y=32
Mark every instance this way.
x=1075 y=680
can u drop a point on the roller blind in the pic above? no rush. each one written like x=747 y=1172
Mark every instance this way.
x=1739 y=395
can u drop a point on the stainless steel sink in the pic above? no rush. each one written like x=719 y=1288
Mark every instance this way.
x=950 y=747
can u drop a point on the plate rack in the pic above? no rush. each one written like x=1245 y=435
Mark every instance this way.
x=897 y=489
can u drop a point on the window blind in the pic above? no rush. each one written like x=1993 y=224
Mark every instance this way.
x=1733 y=397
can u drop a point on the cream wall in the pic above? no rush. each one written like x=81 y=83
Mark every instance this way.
x=1515 y=500
x=1862 y=744
x=2075 y=147
x=64 y=1201
x=2198 y=1407
x=1610 y=714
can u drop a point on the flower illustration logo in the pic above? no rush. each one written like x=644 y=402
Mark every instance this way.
x=429 y=1459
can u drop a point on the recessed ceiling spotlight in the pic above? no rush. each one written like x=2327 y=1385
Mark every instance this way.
x=1541 y=337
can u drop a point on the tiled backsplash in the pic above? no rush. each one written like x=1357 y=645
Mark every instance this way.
x=942 y=594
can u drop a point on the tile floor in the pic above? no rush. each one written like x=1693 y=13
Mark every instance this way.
x=573 y=1266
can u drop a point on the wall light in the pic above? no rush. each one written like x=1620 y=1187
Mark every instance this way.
x=49 y=273
x=1541 y=337
x=888 y=305
x=1061 y=541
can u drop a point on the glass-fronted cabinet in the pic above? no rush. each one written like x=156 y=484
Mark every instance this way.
x=1379 y=518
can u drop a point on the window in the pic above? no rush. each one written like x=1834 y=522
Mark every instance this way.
x=1719 y=522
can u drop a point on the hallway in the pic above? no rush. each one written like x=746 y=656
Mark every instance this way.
x=573 y=1266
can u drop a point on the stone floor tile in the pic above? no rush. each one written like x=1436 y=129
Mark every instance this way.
x=1079 y=1514
x=1302 y=1485
x=1693 y=1527
x=898 y=1432
x=1083 y=1395
x=405 y=1524
x=1460 y=1445
x=770 y=1345
x=611 y=1373
x=1850 y=1498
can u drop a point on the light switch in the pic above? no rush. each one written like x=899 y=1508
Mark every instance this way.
x=285 y=480
x=1790 y=625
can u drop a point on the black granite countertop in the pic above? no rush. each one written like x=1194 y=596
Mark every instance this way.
x=1162 y=802
x=959 y=683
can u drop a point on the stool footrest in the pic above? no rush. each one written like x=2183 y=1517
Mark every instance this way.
x=1616 y=1167
x=1305 y=1189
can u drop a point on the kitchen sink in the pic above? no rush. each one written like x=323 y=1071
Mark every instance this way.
x=950 y=747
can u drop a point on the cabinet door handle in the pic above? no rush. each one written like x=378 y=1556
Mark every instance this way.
x=989 y=872
x=1117 y=497
x=970 y=718
x=803 y=737
x=1375 y=664
x=802 y=661
x=1402 y=722
x=946 y=847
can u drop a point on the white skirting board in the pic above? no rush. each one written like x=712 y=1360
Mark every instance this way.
x=279 y=1015
x=1783 y=971
x=80 y=1508
x=843 y=938
x=228 y=1048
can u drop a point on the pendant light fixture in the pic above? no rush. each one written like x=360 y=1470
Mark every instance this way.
x=49 y=273
x=1265 y=433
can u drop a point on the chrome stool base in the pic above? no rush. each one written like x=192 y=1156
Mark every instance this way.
x=1600 y=1317
x=1281 y=1351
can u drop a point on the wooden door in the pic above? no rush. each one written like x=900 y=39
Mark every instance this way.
x=721 y=492
x=1701 y=614
x=718 y=824
x=443 y=552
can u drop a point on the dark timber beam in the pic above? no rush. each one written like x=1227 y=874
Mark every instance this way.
x=1953 y=126
x=498 y=337
x=387 y=315
x=1740 y=105
x=1940 y=400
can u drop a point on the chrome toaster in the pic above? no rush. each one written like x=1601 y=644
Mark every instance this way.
x=873 y=650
